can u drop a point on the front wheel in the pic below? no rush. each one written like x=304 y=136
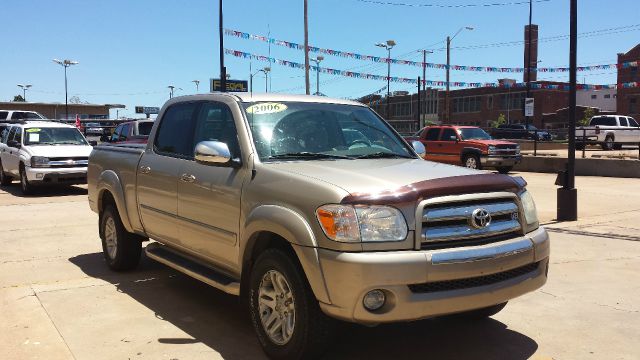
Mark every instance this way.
x=284 y=312
x=4 y=178
x=504 y=169
x=121 y=249
x=25 y=185
x=472 y=162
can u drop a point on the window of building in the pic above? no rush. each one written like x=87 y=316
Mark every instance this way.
x=489 y=102
x=633 y=106
x=594 y=96
x=607 y=96
x=466 y=104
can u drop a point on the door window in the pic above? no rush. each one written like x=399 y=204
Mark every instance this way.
x=175 y=135
x=124 y=134
x=623 y=121
x=632 y=122
x=215 y=123
x=3 y=115
x=448 y=135
x=432 y=134
x=116 y=134
x=17 y=136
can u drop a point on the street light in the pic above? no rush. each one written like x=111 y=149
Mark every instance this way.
x=171 y=88
x=449 y=38
x=24 y=87
x=389 y=44
x=265 y=70
x=197 y=82
x=317 y=60
x=65 y=63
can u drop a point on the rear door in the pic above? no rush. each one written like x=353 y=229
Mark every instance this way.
x=4 y=148
x=11 y=159
x=430 y=141
x=157 y=180
x=448 y=146
x=209 y=195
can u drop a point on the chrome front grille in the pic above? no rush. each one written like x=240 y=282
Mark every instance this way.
x=450 y=224
x=68 y=162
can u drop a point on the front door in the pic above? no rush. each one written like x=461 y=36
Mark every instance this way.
x=448 y=146
x=11 y=158
x=430 y=141
x=209 y=195
x=158 y=172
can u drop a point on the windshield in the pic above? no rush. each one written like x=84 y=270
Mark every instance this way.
x=144 y=128
x=53 y=136
x=474 y=134
x=300 y=130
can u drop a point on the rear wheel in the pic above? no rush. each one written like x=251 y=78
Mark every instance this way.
x=4 y=178
x=284 y=312
x=504 y=169
x=472 y=161
x=121 y=249
x=608 y=143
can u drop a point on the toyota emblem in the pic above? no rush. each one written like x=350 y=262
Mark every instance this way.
x=480 y=218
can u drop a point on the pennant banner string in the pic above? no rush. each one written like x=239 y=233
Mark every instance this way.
x=379 y=59
x=395 y=79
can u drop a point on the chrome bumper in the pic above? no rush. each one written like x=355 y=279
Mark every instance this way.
x=500 y=160
x=71 y=175
x=349 y=276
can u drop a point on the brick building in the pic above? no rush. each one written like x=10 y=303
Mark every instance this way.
x=628 y=102
x=57 y=111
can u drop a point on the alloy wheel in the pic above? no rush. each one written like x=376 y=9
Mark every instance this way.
x=277 y=307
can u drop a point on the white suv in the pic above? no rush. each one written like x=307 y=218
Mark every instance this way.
x=17 y=115
x=43 y=153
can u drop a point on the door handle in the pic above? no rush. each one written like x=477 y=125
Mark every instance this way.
x=145 y=169
x=188 y=178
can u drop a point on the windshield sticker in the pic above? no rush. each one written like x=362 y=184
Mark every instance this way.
x=266 y=108
x=34 y=137
x=32 y=130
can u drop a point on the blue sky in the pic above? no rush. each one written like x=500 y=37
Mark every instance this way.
x=131 y=50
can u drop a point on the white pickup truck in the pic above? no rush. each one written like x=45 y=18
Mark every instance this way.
x=608 y=131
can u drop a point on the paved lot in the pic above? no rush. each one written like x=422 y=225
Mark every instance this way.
x=59 y=301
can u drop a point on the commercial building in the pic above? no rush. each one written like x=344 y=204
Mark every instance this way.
x=57 y=111
x=629 y=98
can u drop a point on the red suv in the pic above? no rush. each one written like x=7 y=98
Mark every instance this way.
x=469 y=146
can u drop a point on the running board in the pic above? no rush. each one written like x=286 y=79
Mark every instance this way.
x=187 y=265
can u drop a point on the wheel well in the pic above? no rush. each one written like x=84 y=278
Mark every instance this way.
x=467 y=152
x=105 y=198
x=257 y=244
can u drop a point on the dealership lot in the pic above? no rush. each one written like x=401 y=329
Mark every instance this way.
x=58 y=300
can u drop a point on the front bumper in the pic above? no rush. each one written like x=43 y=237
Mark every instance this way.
x=46 y=176
x=349 y=276
x=500 y=160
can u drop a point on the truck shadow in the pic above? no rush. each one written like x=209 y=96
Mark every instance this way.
x=220 y=322
x=46 y=191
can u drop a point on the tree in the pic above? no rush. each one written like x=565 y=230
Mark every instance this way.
x=18 y=98
x=501 y=121
x=588 y=114
x=75 y=100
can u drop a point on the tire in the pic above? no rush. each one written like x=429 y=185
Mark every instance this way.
x=121 y=249
x=608 y=143
x=483 y=313
x=504 y=169
x=25 y=186
x=5 y=179
x=580 y=146
x=472 y=161
x=311 y=328
x=617 y=146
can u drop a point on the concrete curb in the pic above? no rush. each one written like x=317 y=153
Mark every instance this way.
x=584 y=167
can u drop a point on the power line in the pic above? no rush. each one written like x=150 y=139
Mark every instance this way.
x=450 y=5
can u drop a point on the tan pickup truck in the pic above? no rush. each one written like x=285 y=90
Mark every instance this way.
x=314 y=209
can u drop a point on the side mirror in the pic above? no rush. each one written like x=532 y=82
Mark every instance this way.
x=212 y=152
x=454 y=138
x=93 y=143
x=13 y=144
x=419 y=148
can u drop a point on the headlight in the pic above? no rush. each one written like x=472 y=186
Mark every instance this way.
x=347 y=223
x=492 y=149
x=530 y=212
x=39 y=161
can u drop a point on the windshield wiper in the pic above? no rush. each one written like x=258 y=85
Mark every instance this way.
x=307 y=155
x=381 y=155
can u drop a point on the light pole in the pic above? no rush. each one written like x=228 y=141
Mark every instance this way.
x=197 y=82
x=446 y=98
x=389 y=44
x=65 y=63
x=265 y=70
x=24 y=87
x=317 y=60
x=171 y=89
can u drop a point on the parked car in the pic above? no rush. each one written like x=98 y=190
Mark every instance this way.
x=520 y=131
x=132 y=132
x=94 y=129
x=608 y=131
x=17 y=115
x=263 y=196
x=468 y=146
x=43 y=153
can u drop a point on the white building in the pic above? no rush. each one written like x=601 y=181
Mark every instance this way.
x=604 y=99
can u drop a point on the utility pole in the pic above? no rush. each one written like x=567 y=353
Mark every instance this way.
x=197 y=82
x=424 y=84
x=223 y=70
x=24 y=87
x=446 y=94
x=568 y=195
x=317 y=60
x=306 y=50
x=65 y=64
x=419 y=104
x=526 y=118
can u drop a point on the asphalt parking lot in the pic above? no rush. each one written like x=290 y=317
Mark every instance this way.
x=58 y=300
